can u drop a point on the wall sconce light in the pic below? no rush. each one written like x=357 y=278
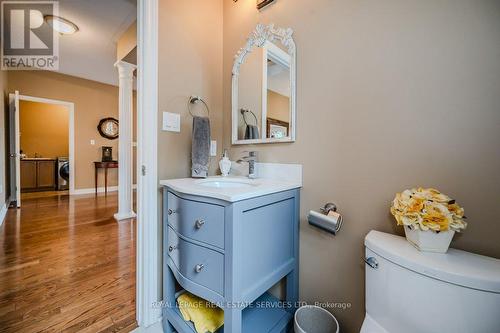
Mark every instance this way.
x=263 y=3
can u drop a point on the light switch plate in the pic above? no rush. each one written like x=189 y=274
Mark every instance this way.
x=171 y=122
x=213 y=148
x=92 y=142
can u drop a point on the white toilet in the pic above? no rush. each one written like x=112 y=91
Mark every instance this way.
x=414 y=292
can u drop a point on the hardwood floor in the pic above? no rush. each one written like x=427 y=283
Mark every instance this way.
x=36 y=195
x=67 y=266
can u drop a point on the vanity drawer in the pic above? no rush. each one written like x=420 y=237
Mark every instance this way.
x=197 y=263
x=201 y=221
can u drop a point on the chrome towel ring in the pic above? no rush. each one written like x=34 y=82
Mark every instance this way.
x=245 y=111
x=194 y=100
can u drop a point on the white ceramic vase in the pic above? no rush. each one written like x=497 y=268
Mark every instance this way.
x=429 y=241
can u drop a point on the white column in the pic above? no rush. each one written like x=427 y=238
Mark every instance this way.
x=125 y=107
x=148 y=275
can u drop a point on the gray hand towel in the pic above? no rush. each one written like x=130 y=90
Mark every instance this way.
x=255 y=132
x=251 y=132
x=248 y=132
x=200 y=147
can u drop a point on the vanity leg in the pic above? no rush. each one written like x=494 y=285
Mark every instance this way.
x=292 y=279
x=168 y=297
x=292 y=287
x=232 y=320
x=167 y=327
x=168 y=277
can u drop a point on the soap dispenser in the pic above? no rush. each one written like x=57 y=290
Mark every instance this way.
x=225 y=164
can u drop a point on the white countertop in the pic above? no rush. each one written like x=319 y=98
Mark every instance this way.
x=250 y=188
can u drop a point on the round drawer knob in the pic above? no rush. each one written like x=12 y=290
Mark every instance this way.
x=171 y=248
x=170 y=211
x=199 y=223
x=198 y=268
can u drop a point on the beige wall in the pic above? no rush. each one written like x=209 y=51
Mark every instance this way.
x=93 y=101
x=127 y=42
x=190 y=63
x=278 y=106
x=44 y=129
x=391 y=94
x=3 y=124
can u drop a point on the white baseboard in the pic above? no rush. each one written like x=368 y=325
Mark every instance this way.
x=91 y=190
x=124 y=216
x=155 y=328
x=3 y=212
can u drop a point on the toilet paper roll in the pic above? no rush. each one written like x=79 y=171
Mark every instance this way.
x=331 y=222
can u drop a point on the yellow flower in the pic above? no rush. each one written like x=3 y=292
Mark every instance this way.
x=458 y=224
x=431 y=194
x=427 y=209
x=456 y=210
x=411 y=219
x=436 y=216
x=415 y=205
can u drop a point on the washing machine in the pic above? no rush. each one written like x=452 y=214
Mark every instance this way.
x=62 y=173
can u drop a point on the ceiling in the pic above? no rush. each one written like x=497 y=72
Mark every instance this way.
x=91 y=52
x=278 y=77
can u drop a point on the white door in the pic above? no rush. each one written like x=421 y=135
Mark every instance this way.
x=14 y=149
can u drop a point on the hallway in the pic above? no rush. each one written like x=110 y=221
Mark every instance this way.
x=67 y=266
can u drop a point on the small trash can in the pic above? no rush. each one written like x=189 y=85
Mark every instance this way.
x=314 y=319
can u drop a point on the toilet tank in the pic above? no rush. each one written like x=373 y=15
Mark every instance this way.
x=414 y=292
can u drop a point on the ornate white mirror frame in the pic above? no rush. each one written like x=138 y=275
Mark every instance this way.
x=258 y=38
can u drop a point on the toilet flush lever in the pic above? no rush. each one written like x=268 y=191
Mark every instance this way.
x=372 y=262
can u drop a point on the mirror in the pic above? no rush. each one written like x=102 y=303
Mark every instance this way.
x=263 y=88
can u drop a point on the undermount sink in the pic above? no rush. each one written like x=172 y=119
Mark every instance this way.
x=226 y=183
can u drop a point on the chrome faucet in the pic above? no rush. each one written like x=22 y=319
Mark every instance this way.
x=251 y=159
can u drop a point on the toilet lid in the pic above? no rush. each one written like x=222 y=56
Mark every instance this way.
x=456 y=266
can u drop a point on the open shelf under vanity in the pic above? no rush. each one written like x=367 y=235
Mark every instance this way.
x=255 y=318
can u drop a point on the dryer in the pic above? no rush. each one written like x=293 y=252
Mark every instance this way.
x=62 y=173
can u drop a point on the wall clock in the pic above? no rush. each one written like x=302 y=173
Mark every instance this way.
x=108 y=128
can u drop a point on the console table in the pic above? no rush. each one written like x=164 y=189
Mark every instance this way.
x=105 y=166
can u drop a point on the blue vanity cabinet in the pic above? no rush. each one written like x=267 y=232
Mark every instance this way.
x=231 y=253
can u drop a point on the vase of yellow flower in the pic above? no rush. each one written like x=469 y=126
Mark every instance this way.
x=429 y=217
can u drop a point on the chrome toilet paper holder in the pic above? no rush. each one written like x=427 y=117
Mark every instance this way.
x=329 y=223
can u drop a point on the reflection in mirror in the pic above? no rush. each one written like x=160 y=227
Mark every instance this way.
x=250 y=99
x=263 y=94
x=278 y=92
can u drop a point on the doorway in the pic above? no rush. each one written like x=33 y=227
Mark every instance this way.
x=41 y=172
x=43 y=158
